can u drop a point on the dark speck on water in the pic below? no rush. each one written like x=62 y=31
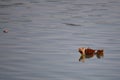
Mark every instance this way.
x=71 y=24
x=45 y=34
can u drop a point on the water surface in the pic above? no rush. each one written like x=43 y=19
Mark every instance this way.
x=44 y=36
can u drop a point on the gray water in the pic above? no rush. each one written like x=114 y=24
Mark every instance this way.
x=44 y=36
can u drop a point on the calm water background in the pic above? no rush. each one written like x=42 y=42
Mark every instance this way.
x=44 y=36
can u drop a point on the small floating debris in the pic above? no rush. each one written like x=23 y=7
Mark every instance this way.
x=5 y=30
x=87 y=53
